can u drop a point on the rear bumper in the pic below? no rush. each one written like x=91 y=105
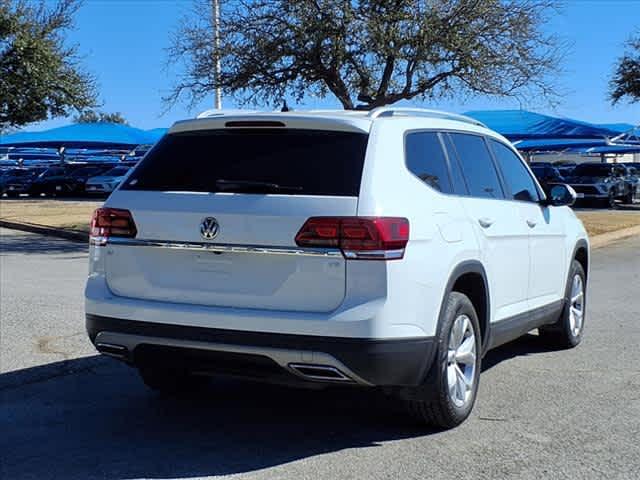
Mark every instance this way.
x=364 y=361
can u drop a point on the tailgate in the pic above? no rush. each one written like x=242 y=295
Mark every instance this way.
x=217 y=213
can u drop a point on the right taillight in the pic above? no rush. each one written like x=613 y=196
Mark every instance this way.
x=111 y=222
x=359 y=238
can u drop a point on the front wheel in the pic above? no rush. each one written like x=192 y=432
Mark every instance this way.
x=610 y=202
x=628 y=198
x=567 y=331
x=447 y=397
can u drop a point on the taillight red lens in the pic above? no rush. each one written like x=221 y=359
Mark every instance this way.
x=111 y=222
x=371 y=238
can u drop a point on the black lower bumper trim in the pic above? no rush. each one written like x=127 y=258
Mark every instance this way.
x=396 y=362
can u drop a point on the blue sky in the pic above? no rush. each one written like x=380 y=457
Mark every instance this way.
x=122 y=42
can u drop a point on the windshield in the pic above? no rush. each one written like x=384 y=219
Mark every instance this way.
x=592 y=170
x=116 y=172
x=83 y=172
x=265 y=160
x=49 y=172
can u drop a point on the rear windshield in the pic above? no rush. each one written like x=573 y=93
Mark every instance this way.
x=302 y=162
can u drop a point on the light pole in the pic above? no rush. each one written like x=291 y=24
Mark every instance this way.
x=216 y=53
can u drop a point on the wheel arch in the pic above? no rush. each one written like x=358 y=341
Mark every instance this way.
x=470 y=278
x=581 y=254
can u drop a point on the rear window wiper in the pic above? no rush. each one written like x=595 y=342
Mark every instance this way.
x=254 y=186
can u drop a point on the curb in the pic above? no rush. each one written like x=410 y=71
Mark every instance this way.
x=605 y=239
x=73 y=235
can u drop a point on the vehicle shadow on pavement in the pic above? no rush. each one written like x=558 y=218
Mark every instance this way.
x=95 y=419
x=38 y=244
x=528 y=344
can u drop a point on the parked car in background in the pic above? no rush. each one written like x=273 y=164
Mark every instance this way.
x=10 y=176
x=632 y=178
x=108 y=181
x=65 y=180
x=601 y=182
x=15 y=181
x=547 y=174
x=565 y=168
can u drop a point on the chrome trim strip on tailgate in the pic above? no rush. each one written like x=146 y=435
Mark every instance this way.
x=225 y=248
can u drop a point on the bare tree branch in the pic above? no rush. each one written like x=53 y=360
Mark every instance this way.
x=373 y=51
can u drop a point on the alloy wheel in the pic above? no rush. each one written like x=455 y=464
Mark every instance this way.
x=576 y=307
x=461 y=361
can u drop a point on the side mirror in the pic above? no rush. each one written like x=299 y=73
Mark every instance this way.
x=560 y=195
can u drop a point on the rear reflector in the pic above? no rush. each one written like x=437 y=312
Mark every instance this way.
x=359 y=238
x=111 y=222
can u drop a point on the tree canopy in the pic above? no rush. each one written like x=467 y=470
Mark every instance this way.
x=625 y=82
x=366 y=53
x=40 y=75
x=93 y=116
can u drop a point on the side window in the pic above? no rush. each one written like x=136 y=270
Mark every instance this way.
x=427 y=161
x=477 y=166
x=515 y=174
x=459 y=184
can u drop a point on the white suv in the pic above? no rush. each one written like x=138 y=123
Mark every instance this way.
x=390 y=248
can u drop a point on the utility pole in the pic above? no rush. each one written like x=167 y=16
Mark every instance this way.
x=215 y=4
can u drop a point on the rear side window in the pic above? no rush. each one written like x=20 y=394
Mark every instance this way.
x=427 y=161
x=477 y=166
x=301 y=162
x=515 y=174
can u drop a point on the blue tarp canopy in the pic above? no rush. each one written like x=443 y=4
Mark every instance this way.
x=524 y=125
x=85 y=135
x=555 y=145
x=618 y=127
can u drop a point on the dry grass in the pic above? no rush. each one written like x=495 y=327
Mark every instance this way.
x=603 y=221
x=75 y=215
x=69 y=214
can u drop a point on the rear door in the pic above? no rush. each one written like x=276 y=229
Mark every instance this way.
x=217 y=212
x=501 y=234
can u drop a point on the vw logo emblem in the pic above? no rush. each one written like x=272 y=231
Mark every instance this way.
x=209 y=228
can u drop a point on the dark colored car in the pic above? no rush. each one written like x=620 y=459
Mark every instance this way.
x=15 y=181
x=65 y=180
x=632 y=178
x=547 y=173
x=565 y=168
x=601 y=182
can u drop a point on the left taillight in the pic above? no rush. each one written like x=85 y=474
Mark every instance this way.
x=111 y=222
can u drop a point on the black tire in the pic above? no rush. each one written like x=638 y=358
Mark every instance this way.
x=170 y=381
x=610 y=202
x=432 y=403
x=628 y=198
x=562 y=334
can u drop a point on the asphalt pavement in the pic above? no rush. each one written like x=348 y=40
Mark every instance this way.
x=66 y=413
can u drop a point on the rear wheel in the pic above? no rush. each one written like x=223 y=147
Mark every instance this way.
x=447 y=397
x=170 y=380
x=567 y=331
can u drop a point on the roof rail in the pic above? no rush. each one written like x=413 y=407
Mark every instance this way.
x=422 y=112
x=221 y=113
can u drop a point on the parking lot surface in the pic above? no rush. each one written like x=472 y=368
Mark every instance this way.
x=541 y=414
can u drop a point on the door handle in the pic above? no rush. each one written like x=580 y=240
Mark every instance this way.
x=485 y=222
x=531 y=223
